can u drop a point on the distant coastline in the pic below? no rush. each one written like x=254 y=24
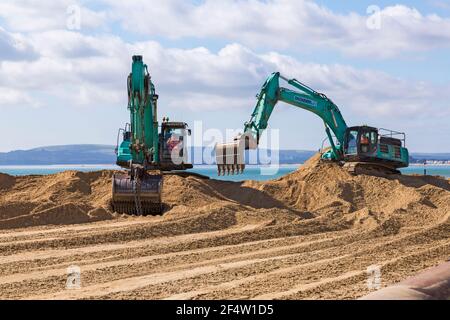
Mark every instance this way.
x=104 y=155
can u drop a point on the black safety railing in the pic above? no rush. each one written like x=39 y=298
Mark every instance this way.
x=388 y=133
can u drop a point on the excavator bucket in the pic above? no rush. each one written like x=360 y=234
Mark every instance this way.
x=230 y=157
x=138 y=196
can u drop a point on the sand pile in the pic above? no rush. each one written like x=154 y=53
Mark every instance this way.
x=330 y=192
x=65 y=198
x=323 y=192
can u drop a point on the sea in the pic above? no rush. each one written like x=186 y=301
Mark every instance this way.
x=250 y=173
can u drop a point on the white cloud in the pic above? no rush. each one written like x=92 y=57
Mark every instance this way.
x=40 y=15
x=277 y=24
x=88 y=70
x=15 y=47
x=287 y=24
x=13 y=97
x=368 y=93
x=198 y=101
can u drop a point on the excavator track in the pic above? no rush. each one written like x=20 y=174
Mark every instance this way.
x=138 y=196
x=370 y=168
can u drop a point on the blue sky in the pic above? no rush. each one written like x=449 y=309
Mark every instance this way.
x=61 y=84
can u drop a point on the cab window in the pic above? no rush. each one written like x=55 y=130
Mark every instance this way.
x=365 y=138
x=352 y=143
x=368 y=141
x=373 y=137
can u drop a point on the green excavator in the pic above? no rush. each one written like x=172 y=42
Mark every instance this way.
x=360 y=149
x=144 y=152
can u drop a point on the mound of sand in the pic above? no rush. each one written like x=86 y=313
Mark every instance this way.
x=65 y=198
x=329 y=191
x=323 y=192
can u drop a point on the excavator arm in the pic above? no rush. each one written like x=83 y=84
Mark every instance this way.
x=142 y=105
x=230 y=157
x=137 y=191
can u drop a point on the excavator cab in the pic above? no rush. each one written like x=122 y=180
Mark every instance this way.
x=360 y=141
x=377 y=147
x=173 y=145
x=122 y=150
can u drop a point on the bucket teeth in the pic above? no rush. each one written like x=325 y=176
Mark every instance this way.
x=227 y=169
x=230 y=158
